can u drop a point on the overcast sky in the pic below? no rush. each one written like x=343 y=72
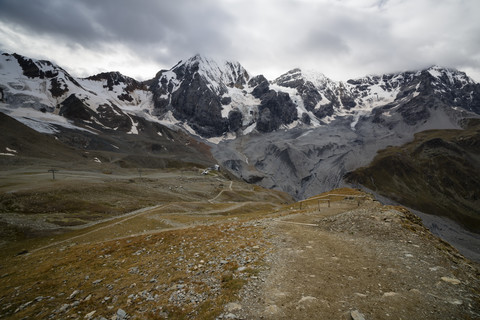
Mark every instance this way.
x=341 y=38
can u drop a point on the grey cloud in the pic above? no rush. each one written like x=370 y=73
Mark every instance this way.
x=179 y=26
x=325 y=42
x=60 y=18
x=339 y=37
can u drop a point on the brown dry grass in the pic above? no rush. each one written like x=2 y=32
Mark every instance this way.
x=189 y=258
x=168 y=260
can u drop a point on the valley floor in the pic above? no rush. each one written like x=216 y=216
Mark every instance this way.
x=235 y=251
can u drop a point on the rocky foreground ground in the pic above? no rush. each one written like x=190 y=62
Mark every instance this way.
x=348 y=258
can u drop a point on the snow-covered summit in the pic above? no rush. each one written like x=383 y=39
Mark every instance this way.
x=298 y=76
x=449 y=74
x=195 y=92
x=37 y=91
x=216 y=73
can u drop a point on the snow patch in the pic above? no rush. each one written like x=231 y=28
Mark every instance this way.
x=134 y=129
x=306 y=133
x=435 y=72
x=189 y=129
x=243 y=101
x=39 y=121
x=215 y=140
x=250 y=128
x=169 y=120
x=357 y=116
x=319 y=80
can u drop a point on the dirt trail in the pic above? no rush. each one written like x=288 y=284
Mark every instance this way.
x=328 y=265
x=221 y=191
x=135 y=214
x=121 y=219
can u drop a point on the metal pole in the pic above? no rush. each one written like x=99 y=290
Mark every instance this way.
x=53 y=173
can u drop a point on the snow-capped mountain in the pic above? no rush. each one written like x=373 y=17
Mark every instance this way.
x=105 y=112
x=219 y=99
x=359 y=97
x=300 y=132
x=43 y=95
x=341 y=125
x=198 y=93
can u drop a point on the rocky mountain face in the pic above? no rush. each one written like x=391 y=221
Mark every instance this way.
x=193 y=92
x=214 y=98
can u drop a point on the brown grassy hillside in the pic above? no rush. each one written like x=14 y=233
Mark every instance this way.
x=437 y=173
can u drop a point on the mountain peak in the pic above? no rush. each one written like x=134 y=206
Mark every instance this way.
x=293 y=77
x=206 y=62
x=217 y=73
x=33 y=68
x=449 y=74
x=115 y=78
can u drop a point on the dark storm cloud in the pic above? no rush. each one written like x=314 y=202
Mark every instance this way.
x=63 y=18
x=342 y=38
x=177 y=26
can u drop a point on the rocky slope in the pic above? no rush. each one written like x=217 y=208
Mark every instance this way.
x=371 y=262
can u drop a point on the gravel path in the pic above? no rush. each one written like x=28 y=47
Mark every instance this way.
x=371 y=262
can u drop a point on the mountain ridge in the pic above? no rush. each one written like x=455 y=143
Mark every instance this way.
x=318 y=99
x=331 y=127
